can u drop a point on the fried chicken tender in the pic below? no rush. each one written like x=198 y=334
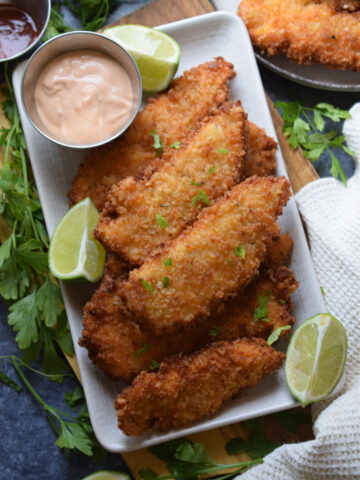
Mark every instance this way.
x=140 y=216
x=305 y=31
x=190 y=387
x=117 y=346
x=174 y=115
x=210 y=261
x=261 y=159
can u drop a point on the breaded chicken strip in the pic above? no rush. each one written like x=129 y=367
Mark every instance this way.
x=260 y=159
x=305 y=31
x=210 y=261
x=190 y=387
x=117 y=346
x=140 y=216
x=173 y=115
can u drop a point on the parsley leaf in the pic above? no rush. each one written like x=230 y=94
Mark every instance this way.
x=240 y=252
x=49 y=302
x=23 y=316
x=304 y=127
x=200 y=197
x=261 y=310
x=162 y=222
x=166 y=282
x=274 y=336
x=154 y=365
x=148 y=287
x=194 y=183
x=215 y=331
x=142 y=350
x=212 y=170
x=9 y=382
x=175 y=145
x=224 y=151
x=188 y=460
x=157 y=143
x=167 y=262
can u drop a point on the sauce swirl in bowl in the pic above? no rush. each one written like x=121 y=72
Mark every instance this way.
x=81 y=89
x=83 y=96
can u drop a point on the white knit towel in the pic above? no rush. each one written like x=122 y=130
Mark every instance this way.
x=331 y=212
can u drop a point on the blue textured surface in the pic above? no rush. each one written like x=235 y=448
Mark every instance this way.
x=27 y=441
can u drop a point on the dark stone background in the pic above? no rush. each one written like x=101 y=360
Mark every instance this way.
x=27 y=450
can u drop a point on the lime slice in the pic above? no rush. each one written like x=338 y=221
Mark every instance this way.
x=315 y=358
x=73 y=252
x=156 y=54
x=107 y=475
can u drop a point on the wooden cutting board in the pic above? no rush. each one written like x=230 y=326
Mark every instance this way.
x=300 y=173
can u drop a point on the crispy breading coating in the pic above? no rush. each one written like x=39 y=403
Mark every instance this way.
x=210 y=261
x=174 y=115
x=305 y=31
x=261 y=159
x=279 y=252
x=190 y=387
x=142 y=215
x=117 y=346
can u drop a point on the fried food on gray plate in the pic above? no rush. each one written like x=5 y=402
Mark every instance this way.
x=117 y=346
x=210 y=261
x=189 y=387
x=305 y=31
x=173 y=115
x=142 y=215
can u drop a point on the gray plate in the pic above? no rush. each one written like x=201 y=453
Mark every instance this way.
x=316 y=76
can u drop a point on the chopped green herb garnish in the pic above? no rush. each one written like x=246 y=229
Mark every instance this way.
x=200 y=197
x=175 y=145
x=157 y=142
x=240 y=252
x=322 y=290
x=167 y=262
x=162 y=222
x=212 y=170
x=282 y=301
x=261 y=312
x=237 y=204
x=148 y=287
x=166 y=282
x=224 y=151
x=215 y=331
x=274 y=336
x=194 y=183
x=229 y=262
x=142 y=350
x=154 y=365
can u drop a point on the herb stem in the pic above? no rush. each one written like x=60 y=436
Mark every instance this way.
x=27 y=383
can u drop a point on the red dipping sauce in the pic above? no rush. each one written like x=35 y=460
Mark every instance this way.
x=17 y=30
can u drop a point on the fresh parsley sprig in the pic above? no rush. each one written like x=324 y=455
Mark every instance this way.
x=304 y=127
x=188 y=461
x=91 y=13
x=35 y=303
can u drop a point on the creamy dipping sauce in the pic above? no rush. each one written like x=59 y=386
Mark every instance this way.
x=83 y=97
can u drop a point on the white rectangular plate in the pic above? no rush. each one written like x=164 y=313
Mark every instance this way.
x=201 y=39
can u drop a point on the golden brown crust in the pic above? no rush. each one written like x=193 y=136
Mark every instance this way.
x=173 y=115
x=190 y=387
x=207 y=259
x=305 y=31
x=261 y=159
x=114 y=341
x=212 y=161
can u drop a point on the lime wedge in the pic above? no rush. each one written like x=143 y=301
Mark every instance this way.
x=315 y=358
x=156 y=54
x=73 y=252
x=107 y=475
